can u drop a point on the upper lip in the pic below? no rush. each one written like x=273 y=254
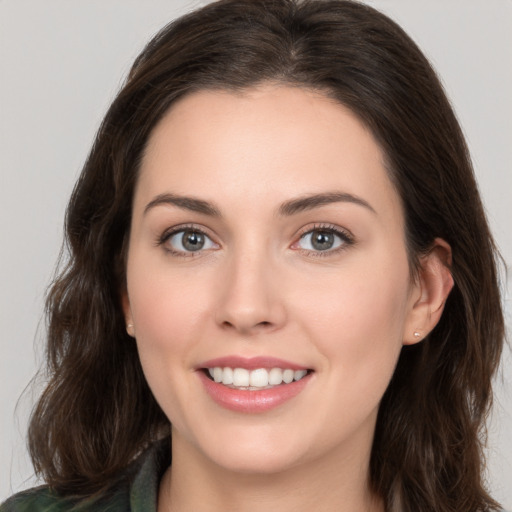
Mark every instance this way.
x=251 y=363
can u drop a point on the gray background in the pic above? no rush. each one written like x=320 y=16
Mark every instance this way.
x=61 y=64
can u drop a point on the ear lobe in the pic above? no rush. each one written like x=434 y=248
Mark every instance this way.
x=125 y=302
x=435 y=283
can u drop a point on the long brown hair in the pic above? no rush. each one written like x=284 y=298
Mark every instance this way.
x=97 y=412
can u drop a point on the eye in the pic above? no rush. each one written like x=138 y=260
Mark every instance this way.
x=323 y=239
x=188 y=241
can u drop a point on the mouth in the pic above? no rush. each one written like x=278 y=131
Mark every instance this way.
x=254 y=384
x=256 y=379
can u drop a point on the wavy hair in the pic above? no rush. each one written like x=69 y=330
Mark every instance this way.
x=97 y=412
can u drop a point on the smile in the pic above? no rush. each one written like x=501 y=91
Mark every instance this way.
x=259 y=378
x=253 y=385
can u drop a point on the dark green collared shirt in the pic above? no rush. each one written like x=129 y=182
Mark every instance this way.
x=136 y=491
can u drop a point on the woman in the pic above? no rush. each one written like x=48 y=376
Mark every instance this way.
x=278 y=255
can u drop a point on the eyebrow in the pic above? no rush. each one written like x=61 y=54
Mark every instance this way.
x=287 y=209
x=184 y=202
x=316 y=200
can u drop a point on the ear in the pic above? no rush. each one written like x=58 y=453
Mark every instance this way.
x=128 y=317
x=434 y=283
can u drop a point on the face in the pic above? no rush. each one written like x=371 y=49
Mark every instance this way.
x=267 y=245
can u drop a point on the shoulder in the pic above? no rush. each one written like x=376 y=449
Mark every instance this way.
x=135 y=491
x=33 y=499
x=43 y=499
x=39 y=499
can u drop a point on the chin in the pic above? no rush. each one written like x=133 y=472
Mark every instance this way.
x=254 y=452
x=256 y=462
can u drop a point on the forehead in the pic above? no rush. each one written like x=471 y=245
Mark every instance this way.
x=264 y=144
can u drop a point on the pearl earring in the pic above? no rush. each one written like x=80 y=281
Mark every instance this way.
x=417 y=334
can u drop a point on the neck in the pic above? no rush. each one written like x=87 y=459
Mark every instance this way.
x=327 y=485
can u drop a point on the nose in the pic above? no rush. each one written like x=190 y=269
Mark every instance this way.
x=250 y=299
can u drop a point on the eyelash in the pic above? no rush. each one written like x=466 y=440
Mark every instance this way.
x=167 y=235
x=346 y=237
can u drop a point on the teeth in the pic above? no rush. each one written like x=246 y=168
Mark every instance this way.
x=288 y=376
x=275 y=376
x=298 y=374
x=260 y=378
x=240 y=377
x=227 y=376
x=217 y=374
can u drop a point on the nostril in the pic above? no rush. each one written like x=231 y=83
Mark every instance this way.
x=229 y=325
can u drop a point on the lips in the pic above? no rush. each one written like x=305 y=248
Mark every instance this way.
x=252 y=385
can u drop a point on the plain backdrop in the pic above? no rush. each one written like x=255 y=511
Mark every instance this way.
x=61 y=64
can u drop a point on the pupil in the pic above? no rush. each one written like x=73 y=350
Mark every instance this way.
x=193 y=241
x=322 y=240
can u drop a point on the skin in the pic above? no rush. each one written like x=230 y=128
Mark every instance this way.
x=259 y=288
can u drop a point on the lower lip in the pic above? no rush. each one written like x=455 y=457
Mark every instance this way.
x=252 y=401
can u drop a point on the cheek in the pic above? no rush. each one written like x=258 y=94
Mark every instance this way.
x=356 y=320
x=167 y=307
x=167 y=314
x=168 y=320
